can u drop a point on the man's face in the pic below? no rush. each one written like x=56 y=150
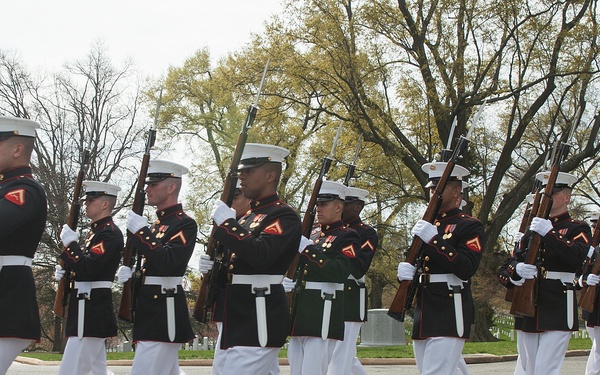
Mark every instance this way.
x=6 y=153
x=240 y=204
x=329 y=212
x=157 y=192
x=253 y=181
x=93 y=207
x=560 y=199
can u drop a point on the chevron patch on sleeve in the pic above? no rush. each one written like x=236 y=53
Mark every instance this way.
x=274 y=228
x=16 y=196
x=474 y=244
x=98 y=248
x=179 y=235
x=349 y=251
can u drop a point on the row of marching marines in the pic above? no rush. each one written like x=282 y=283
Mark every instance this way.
x=278 y=279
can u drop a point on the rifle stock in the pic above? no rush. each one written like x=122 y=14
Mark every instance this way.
x=128 y=297
x=587 y=298
x=524 y=298
x=205 y=300
x=64 y=285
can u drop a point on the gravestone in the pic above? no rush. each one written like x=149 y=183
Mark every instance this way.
x=381 y=330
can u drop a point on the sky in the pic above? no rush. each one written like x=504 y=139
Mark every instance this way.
x=155 y=34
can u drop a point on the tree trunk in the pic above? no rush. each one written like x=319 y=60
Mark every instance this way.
x=484 y=318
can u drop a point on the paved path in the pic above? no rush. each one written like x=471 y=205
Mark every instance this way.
x=571 y=366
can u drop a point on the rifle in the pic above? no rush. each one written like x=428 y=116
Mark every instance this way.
x=310 y=213
x=129 y=296
x=352 y=166
x=406 y=291
x=523 y=302
x=206 y=294
x=64 y=285
x=588 y=293
x=530 y=211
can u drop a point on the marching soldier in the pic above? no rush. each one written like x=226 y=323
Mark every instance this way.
x=241 y=205
x=451 y=253
x=261 y=247
x=343 y=358
x=324 y=266
x=161 y=322
x=24 y=209
x=592 y=318
x=545 y=337
x=91 y=317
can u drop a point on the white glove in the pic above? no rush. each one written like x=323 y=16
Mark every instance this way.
x=222 y=212
x=526 y=271
x=518 y=236
x=68 y=235
x=135 y=222
x=59 y=272
x=303 y=243
x=541 y=226
x=591 y=252
x=425 y=230
x=517 y=282
x=206 y=263
x=406 y=271
x=592 y=279
x=124 y=273
x=288 y=284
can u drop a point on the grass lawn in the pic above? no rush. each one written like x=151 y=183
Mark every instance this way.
x=405 y=351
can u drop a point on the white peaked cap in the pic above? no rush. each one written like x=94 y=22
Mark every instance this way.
x=256 y=154
x=356 y=194
x=562 y=180
x=332 y=190
x=436 y=169
x=11 y=126
x=159 y=170
x=96 y=188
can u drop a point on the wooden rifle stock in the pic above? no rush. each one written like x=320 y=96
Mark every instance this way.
x=64 y=285
x=524 y=298
x=587 y=298
x=204 y=301
x=128 y=297
x=530 y=212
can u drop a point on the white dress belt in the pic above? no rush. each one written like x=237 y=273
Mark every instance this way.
x=165 y=282
x=257 y=281
x=361 y=280
x=324 y=287
x=448 y=278
x=564 y=277
x=15 y=260
x=87 y=286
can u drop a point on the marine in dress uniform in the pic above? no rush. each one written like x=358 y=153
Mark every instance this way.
x=91 y=316
x=343 y=357
x=451 y=253
x=24 y=209
x=241 y=205
x=565 y=244
x=262 y=245
x=324 y=266
x=161 y=322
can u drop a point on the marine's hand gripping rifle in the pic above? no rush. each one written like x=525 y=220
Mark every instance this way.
x=406 y=291
x=206 y=294
x=129 y=296
x=64 y=285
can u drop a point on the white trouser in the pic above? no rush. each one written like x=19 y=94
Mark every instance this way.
x=308 y=355
x=156 y=358
x=219 y=356
x=544 y=352
x=438 y=355
x=9 y=350
x=342 y=360
x=84 y=357
x=251 y=360
x=462 y=367
x=593 y=362
x=522 y=354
